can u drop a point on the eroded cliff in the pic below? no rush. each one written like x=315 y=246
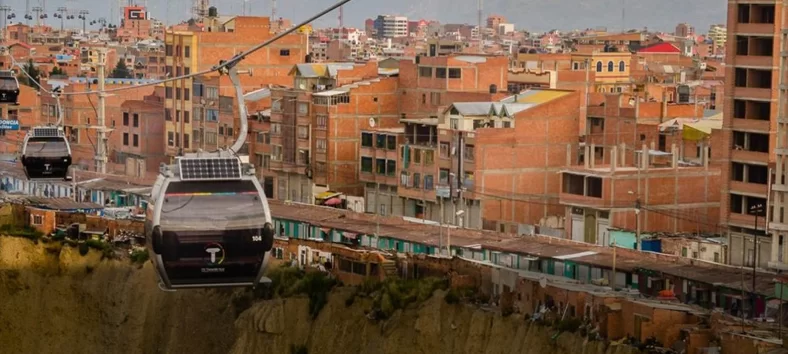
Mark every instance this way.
x=53 y=300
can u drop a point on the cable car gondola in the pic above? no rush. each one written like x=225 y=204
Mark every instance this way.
x=9 y=87
x=46 y=153
x=208 y=223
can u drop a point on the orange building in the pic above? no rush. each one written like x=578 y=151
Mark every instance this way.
x=222 y=37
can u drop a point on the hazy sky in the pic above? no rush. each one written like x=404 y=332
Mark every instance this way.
x=535 y=15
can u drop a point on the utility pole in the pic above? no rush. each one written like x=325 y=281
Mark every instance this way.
x=101 y=153
x=481 y=36
x=757 y=209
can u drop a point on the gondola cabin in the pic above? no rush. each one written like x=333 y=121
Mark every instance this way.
x=9 y=87
x=208 y=223
x=46 y=154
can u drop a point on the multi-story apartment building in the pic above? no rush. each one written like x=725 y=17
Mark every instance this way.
x=719 y=34
x=391 y=26
x=80 y=112
x=315 y=126
x=637 y=170
x=684 y=30
x=28 y=112
x=212 y=117
x=429 y=84
x=754 y=135
x=135 y=25
x=141 y=128
x=504 y=156
x=188 y=52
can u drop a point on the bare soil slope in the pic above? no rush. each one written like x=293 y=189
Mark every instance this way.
x=53 y=300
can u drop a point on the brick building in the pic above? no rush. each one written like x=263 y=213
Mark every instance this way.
x=754 y=135
x=315 y=126
x=221 y=38
x=141 y=127
x=499 y=149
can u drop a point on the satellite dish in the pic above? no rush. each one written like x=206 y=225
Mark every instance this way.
x=302 y=86
x=543 y=282
x=371 y=122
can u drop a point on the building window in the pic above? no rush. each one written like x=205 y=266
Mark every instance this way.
x=187 y=52
x=185 y=141
x=168 y=92
x=599 y=66
x=38 y=220
x=168 y=50
x=210 y=137
x=177 y=115
x=125 y=139
x=366 y=164
x=404 y=179
x=425 y=71
x=321 y=144
x=366 y=139
x=276 y=129
x=440 y=73
x=455 y=73
x=212 y=93
x=136 y=140
x=186 y=94
x=303 y=132
x=170 y=138
x=416 y=180
x=380 y=141
x=610 y=66
x=322 y=121
x=211 y=115
x=168 y=114
x=277 y=153
x=125 y=119
x=444 y=150
x=136 y=120
x=303 y=108
x=196 y=115
x=391 y=167
x=391 y=142
x=621 y=66
x=428 y=182
x=576 y=66
x=284 y=52
x=186 y=117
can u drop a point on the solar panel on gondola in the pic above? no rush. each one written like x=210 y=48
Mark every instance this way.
x=210 y=169
x=47 y=132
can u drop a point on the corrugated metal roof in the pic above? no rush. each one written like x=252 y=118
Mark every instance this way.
x=257 y=95
x=474 y=108
x=60 y=204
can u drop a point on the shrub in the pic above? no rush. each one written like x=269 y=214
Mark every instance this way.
x=139 y=256
x=288 y=281
x=83 y=248
x=298 y=349
x=569 y=324
x=394 y=294
x=21 y=231
x=452 y=297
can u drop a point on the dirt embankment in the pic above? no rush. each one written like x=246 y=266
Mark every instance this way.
x=54 y=300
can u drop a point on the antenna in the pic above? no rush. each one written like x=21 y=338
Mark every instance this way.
x=273 y=10
x=341 y=17
x=481 y=37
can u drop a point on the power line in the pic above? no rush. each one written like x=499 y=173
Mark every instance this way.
x=223 y=65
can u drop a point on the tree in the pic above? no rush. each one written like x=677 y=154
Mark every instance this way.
x=121 y=71
x=56 y=71
x=33 y=72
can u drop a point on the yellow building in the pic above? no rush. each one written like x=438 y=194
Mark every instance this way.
x=611 y=69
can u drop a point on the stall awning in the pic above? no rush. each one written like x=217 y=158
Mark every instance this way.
x=327 y=195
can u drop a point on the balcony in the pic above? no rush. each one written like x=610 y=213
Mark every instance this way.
x=753 y=93
x=753 y=156
x=751 y=124
x=581 y=190
x=766 y=29
x=753 y=60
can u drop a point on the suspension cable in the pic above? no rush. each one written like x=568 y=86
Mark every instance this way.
x=222 y=65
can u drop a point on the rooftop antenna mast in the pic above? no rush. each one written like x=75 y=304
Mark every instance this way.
x=481 y=36
x=273 y=10
x=341 y=17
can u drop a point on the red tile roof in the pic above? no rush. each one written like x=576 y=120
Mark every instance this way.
x=663 y=47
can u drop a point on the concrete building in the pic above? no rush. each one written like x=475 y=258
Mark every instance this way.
x=315 y=126
x=141 y=128
x=494 y=20
x=719 y=34
x=498 y=149
x=391 y=26
x=684 y=30
x=188 y=52
x=754 y=135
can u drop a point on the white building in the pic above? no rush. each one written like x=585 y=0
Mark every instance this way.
x=390 y=26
